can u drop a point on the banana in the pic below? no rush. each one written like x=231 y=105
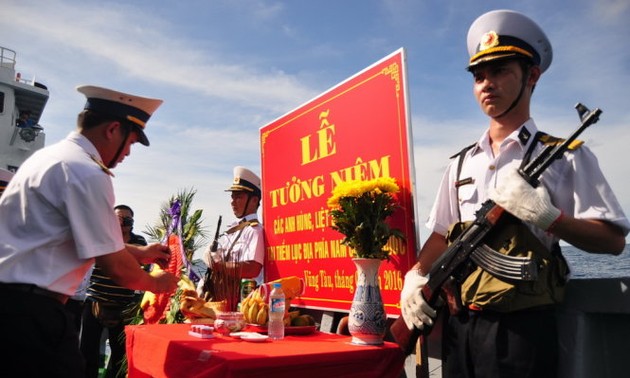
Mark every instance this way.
x=148 y=299
x=262 y=315
x=155 y=269
x=245 y=304
x=185 y=283
x=253 y=312
x=257 y=296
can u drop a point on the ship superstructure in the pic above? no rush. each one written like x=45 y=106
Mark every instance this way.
x=22 y=103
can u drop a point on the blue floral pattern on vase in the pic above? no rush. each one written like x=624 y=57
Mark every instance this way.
x=367 y=320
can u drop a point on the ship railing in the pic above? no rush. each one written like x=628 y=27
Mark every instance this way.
x=7 y=58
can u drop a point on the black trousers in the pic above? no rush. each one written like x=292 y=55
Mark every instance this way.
x=91 y=333
x=39 y=338
x=484 y=344
x=75 y=308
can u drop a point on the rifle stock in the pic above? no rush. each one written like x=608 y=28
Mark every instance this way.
x=453 y=265
x=445 y=273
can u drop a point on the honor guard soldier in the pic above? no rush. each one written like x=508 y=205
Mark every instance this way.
x=508 y=327
x=239 y=252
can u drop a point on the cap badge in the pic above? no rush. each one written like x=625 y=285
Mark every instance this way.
x=237 y=180
x=488 y=40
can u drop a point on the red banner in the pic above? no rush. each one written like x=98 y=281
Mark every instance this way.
x=357 y=130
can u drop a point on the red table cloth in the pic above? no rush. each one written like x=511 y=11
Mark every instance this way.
x=169 y=351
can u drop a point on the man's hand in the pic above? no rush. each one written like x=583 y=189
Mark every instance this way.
x=525 y=202
x=164 y=282
x=415 y=310
x=156 y=253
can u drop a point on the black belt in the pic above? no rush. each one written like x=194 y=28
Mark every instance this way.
x=34 y=289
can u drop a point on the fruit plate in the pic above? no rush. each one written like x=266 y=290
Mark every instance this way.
x=292 y=330
x=249 y=336
x=255 y=338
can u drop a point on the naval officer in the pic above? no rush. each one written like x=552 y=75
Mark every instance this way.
x=56 y=221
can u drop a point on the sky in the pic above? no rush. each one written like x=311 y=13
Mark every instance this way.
x=227 y=68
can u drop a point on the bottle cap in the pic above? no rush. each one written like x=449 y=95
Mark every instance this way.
x=277 y=285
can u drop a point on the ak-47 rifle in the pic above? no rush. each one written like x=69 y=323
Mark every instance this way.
x=453 y=266
x=215 y=242
x=208 y=290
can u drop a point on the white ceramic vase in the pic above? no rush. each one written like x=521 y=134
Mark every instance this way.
x=367 y=320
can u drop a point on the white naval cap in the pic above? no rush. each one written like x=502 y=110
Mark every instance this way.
x=134 y=109
x=504 y=34
x=245 y=181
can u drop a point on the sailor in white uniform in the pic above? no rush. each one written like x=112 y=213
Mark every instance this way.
x=240 y=250
x=508 y=326
x=56 y=221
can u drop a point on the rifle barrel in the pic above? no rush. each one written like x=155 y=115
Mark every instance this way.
x=215 y=242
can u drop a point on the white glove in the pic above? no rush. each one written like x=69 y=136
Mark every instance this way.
x=416 y=312
x=211 y=258
x=525 y=202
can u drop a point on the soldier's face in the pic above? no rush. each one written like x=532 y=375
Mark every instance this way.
x=497 y=85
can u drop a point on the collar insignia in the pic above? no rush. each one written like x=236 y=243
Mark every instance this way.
x=524 y=135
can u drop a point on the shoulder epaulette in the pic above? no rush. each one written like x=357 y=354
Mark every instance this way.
x=242 y=225
x=549 y=140
x=103 y=166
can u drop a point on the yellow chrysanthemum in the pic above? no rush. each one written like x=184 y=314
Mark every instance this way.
x=356 y=188
x=359 y=210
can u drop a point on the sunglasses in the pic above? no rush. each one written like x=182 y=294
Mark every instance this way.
x=127 y=221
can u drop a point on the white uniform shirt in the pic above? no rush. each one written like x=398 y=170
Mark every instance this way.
x=56 y=216
x=250 y=245
x=575 y=184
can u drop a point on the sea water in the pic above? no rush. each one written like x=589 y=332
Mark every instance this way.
x=590 y=265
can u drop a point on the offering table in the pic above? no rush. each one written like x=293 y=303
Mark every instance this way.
x=167 y=350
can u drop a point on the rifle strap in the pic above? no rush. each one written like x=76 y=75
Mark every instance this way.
x=528 y=154
x=460 y=162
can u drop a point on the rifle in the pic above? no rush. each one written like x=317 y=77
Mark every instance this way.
x=215 y=242
x=453 y=266
x=208 y=289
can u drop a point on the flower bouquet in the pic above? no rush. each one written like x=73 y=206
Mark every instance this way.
x=359 y=211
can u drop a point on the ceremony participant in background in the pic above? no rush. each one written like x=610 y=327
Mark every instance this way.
x=107 y=307
x=56 y=221
x=508 y=329
x=240 y=251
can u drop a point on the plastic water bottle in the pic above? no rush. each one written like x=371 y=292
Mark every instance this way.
x=275 y=328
